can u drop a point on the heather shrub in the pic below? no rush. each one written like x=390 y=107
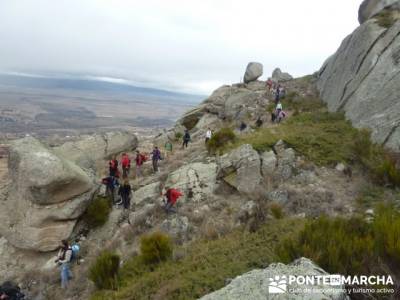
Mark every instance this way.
x=104 y=271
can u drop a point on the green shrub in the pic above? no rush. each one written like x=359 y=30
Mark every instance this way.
x=104 y=271
x=387 y=173
x=337 y=245
x=276 y=210
x=220 y=139
x=380 y=163
x=155 y=248
x=178 y=136
x=385 y=18
x=348 y=246
x=205 y=266
x=97 y=212
x=386 y=228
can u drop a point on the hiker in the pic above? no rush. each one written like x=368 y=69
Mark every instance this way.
x=125 y=191
x=208 y=135
x=126 y=165
x=282 y=92
x=281 y=116
x=186 y=139
x=168 y=148
x=277 y=96
x=113 y=167
x=269 y=83
x=156 y=156
x=172 y=196
x=140 y=159
x=111 y=183
x=278 y=109
x=259 y=122
x=63 y=259
x=243 y=126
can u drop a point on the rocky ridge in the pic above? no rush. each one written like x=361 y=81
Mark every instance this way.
x=362 y=78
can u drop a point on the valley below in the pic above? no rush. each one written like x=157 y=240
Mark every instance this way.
x=61 y=113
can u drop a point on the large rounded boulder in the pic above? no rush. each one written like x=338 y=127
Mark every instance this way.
x=254 y=70
x=46 y=195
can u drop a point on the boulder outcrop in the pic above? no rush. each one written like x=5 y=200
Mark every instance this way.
x=86 y=151
x=254 y=70
x=241 y=169
x=272 y=281
x=47 y=193
x=195 y=180
x=363 y=79
x=279 y=76
x=236 y=102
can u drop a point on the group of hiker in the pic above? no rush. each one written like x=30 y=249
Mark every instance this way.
x=112 y=181
x=170 y=195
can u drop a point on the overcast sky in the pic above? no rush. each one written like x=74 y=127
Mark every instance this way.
x=185 y=45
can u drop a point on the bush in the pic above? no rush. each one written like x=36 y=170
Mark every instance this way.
x=380 y=164
x=386 y=228
x=387 y=173
x=276 y=210
x=178 y=136
x=104 y=271
x=348 y=246
x=155 y=248
x=385 y=18
x=97 y=212
x=220 y=139
x=205 y=265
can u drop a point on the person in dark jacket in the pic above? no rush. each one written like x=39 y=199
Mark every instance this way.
x=186 y=139
x=111 y=183
x=156 y=157
x=125 y=191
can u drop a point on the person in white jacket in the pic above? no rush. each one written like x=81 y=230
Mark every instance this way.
x=208 y=135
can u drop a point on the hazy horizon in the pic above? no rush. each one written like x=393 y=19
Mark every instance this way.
x=191 y=47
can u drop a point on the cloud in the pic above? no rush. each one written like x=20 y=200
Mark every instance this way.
x=191 y=46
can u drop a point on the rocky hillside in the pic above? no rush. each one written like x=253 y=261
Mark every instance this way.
x=362 y=78
x=311 y=195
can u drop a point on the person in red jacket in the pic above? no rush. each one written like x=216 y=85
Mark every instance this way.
x=172 y=196
x=140 y=159
x=126 y=165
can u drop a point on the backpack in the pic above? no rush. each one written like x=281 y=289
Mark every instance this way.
x=75 y=251
x=143 y=157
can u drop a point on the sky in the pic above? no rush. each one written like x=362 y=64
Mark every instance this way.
x=180 y=45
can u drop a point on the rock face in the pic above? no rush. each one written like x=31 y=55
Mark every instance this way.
x=46 y=195
x=258 y=284
x=235 y=102
x=195 y=180
x=254 y=70
x=279 y=76
x=370 y=8
x=241 y=169
x=363 y=79
x=86 y=151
